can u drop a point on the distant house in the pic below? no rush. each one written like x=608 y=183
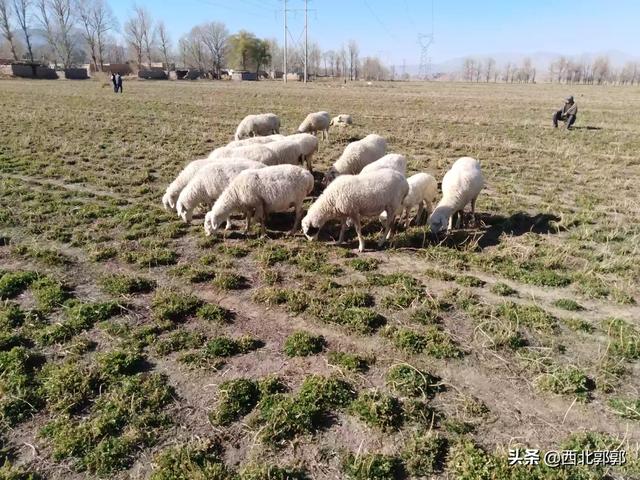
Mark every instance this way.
x=276 y=74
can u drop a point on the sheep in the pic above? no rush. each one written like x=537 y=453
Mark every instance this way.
x=308 y=146
x=260 y=192
x=423 y=191
x=258 y=126
x=355 y=196
x=181 y=181
x=208 y=183
x=316 y=122
x=255 y=140
x=273 y=153
x=393 y=161
x=356 y=156
x=461 y=185
x=341 y=120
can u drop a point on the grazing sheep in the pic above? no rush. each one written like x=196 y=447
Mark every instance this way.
x=423 y=191
x=316 y=122
x=461 y=185
x=356 y=196
x=308 y=146
x=255 y=140
x=260 y=192
x=181 y=181
x=341 y=120
x=258 y=126
x=272 y=153
x=208 y=184
x=394 y=161
x=356 y=156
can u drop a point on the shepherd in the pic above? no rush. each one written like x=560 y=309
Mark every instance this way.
x=567 y=113
x=114 y=82
x=118 y=83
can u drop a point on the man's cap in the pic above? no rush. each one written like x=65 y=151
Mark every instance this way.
x=570 y=98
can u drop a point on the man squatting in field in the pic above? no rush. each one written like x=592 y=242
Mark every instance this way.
x=567 y=113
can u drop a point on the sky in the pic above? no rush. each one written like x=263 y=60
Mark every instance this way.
x=390 y=28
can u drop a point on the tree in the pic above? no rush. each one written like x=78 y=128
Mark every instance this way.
x=165 y=42
x=193 y=50
x=601 y=70
x=22 y=8
x=354 y=51
x=215 y=37
x=5 y=25
x=58 y=22
x=139 y=35
x=489 y=66
x=240 y=45
x=259 y=54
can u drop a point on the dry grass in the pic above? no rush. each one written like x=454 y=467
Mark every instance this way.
x=82 y=172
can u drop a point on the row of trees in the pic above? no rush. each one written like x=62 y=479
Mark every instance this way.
x=562 y=70
x=63 y=31
x=68 y=32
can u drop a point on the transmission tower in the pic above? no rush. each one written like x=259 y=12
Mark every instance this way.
x=425 y=42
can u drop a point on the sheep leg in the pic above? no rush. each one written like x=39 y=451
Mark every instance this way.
x=356 y=224
x=473 y=211
x=343 y=229
x=249 y=216
x=450 y=226
x=420 y=213
x=228 y=227
x=386 y=235
x=459 y=219
x=407 y=220
x=296 y=223
x=261 y=213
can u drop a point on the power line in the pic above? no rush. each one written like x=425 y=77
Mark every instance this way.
x=382 y=24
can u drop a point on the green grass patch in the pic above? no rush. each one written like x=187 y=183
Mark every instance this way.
x=425 y=455
x=412 y=382
x=174 y=306
x=503 y=290
x=215 y=313
x=230 y=281
x=302 y=344
x=197 y=460
x=14 y=283
x=568 y=304
x=566 y=381
x=470 y=281
x=124 y=284
x=236 y=399
x=378 y=410
x=179 y=340
x=49 y=293
x=372 y=466
x=626 y=408
x=348 y=361
x=364 y=264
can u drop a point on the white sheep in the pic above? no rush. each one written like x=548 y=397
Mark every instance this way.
x=181 y=181
x=308 y=146
x=356 y=156
x=255 y=140
x=316 y=122
x=341 y=120
x=257 y=193
x=423 y=192
x=355 y=196
x=208 y=184
x=394 y=161
x=272 y=153
x=258 y=125
x=461 y=185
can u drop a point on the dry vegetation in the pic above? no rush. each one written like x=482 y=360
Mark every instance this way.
x=131 y=346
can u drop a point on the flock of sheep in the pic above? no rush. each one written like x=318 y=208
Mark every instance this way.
x=261 y=172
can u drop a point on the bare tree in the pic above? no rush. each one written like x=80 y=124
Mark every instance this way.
x=22 y=8
x=5 y=25
x=489 y=66
x=353 y=49
x=139 y=34
x=165 y=42
x=215 y=37
x=58 y=21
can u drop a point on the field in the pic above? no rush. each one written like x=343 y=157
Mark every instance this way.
x=132 y=346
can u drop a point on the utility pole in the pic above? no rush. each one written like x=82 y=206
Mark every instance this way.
x=306 y=41
x=284 y=70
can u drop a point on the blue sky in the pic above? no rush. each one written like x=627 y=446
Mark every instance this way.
x=389 y=28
